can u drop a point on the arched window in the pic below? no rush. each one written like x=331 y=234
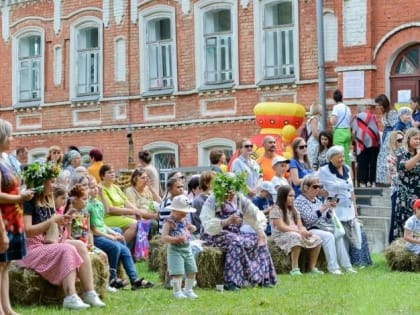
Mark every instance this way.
x=408 y=62
x=204 y=148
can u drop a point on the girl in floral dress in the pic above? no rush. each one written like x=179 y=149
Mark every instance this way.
x=289 y=233
x=248 y=261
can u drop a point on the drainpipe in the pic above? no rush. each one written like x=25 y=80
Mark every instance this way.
x=321 y=61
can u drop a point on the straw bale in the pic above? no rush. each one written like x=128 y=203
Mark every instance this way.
x=210 y=265
x=28 y=287
x=155 y=244
x=282 y=262
x=399 y=258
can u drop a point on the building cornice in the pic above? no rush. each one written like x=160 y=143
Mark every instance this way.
x=123 y=127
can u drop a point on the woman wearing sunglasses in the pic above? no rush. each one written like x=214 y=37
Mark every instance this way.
x=245 y=163
x=299 y=165
x=316 y=218
x=337 y=179
x=395 y=142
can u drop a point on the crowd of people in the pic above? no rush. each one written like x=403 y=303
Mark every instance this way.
x=56 y=213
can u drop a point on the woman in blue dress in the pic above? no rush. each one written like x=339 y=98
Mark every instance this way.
x=299 y=165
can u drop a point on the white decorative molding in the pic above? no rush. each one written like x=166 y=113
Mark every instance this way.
x=355 y=68
x=212 y=107
x=105 y=12
x=134 y=11
x=28 y=121
x=244 y=4
x=57 y=16
x=186 y=6
x=5 y=31
x=58 y=65
x=86 y=117
x=391 y=33
x=159 y=111
x=120 y=111
x=120 y=67
x=119 y=7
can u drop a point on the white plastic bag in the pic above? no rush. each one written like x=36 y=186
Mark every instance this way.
x=357 y=226
x=338 y=227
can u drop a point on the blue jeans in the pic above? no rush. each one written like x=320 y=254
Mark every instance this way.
x=116 y=251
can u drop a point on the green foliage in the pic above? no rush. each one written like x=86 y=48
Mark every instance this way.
x=37 y=173
x=228 y=182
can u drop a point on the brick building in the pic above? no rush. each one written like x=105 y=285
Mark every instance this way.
x=184 y=75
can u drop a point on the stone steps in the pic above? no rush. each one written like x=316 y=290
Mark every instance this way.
x=375 y=212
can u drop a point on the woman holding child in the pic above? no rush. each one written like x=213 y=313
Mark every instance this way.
x=60 y=261
x=248 y=261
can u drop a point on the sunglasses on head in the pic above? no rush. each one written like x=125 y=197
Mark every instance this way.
x=301 y=147
x=400 y=140
x=248 y=146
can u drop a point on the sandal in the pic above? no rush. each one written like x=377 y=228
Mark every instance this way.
x=117 y=283
x=141 y=284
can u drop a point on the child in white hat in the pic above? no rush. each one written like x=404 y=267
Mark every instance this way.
x=176 y=232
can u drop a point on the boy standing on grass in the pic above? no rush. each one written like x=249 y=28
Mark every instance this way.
x=412 y=229
x=176 y=232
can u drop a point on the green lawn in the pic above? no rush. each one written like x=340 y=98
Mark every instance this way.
x=374 y=290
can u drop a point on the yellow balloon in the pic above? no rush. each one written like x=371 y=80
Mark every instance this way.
x=288 y=133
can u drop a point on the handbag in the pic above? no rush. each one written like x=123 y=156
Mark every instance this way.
x=357 y=226
x=52 y=235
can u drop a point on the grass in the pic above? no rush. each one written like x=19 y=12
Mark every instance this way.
x=374 y=290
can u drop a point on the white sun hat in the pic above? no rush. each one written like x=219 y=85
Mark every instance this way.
x=182 y=204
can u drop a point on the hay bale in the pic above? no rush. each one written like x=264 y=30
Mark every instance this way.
x=399 y=258
x=28 y=287
x=155 y=245
x=282 y=262
x=210 y=265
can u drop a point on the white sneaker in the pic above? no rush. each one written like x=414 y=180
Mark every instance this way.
x=74 y=302
x=350 y=270
x=93 y=299
x=190 y=294
x=179 y=295
x=111 y=289
x=336 y=272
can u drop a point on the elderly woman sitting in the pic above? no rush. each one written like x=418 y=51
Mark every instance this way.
x=336 y=179
x=316 y=217
x=248 y=261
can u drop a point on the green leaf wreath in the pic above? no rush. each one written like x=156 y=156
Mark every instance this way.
x=35 y=174
x=225 y=182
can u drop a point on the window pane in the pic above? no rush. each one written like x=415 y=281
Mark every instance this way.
x=159 y=30
x=413 y=56
x=30 y=46
x=278 y=14
x=82 y=73
x=164 y=161
x=88 y=38
x=217 y=21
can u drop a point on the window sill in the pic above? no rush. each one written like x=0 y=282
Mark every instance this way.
x=221 y=86
x=24 y=105
x=157 y=93
x=86 y=99
x=286 y=80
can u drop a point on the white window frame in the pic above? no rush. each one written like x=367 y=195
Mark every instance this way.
x=82 y=23
x=200 y=10
x=26 y=32
x=259 y=42
x=145 y=16
x=163 y=147
x=35 y=152
x=204 y=148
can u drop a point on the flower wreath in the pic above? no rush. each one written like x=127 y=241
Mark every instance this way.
x=36 y=174
x=226 y=182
